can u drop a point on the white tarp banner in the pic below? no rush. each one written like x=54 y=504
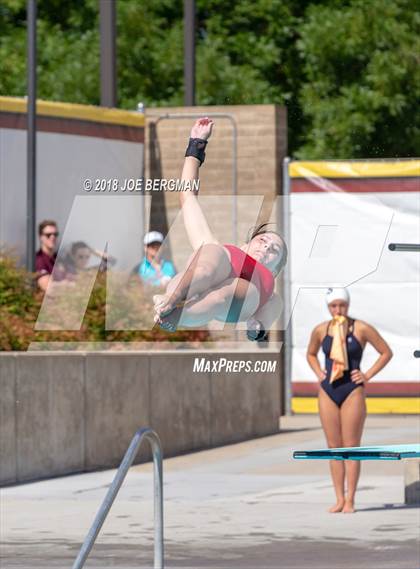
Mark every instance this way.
x=383 y=285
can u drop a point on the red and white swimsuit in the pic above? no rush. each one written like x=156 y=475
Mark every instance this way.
x=244 y=266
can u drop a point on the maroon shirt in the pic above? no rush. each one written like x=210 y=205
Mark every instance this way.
x=44 y=265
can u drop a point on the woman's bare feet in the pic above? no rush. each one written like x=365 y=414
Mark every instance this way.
x=338 y=507
x=348 y=507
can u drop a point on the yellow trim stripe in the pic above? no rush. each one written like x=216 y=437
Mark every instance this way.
x=378 y=405
x=355 y=169
x=73 y=111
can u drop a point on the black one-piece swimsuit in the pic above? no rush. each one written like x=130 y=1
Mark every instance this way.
x=341 y=388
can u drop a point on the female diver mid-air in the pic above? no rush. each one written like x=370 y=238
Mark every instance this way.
x=221 y=282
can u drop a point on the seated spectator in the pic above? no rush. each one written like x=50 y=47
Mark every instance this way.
x=78 y=259
x=153 y=270
x=46 y=256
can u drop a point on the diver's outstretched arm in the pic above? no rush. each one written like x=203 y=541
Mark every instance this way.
x=195 y=221
x=201 y=131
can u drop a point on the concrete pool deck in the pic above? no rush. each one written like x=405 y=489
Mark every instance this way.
x=248 y=505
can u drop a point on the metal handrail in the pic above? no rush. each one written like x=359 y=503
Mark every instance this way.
x=287 y=310
x=152 y=437
x=404 y=247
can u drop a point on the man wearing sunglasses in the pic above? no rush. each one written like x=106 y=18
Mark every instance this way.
x=46 y=256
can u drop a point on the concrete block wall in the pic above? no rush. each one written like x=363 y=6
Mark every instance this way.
x=62 y=413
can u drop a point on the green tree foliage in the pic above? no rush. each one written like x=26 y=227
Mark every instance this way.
x=346 y=69
x=150 y=52
x=247 y=54
x=68 y=50
x=362 y=87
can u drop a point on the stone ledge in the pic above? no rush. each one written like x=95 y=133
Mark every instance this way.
x=67 y=412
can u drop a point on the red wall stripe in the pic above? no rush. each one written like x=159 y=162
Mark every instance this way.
x=74 y=126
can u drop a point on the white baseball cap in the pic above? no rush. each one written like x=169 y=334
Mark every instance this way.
x=153 y=237
x=337 y=294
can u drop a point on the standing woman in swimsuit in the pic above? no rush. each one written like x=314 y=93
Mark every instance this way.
x=341 y=399
x=221 y=282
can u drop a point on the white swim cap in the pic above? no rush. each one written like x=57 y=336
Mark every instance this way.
x=337 y=294
x=153 y=237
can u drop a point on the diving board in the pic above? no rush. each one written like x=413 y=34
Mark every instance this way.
x=389 y=452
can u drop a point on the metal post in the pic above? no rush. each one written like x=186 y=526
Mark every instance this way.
x=141 y=108
x=189 y=53
x=127 y=461
x=108 y=52
x=235 y=182
x=287 y=315
x=31 y=135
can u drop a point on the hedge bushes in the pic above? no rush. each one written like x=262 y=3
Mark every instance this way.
x=131 y=310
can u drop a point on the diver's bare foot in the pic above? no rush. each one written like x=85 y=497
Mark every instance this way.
x=348 y=507
x=337 y=508
x=170 y=321
x=163 y=325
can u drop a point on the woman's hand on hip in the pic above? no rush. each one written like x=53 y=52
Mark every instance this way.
x=322 y=375
x=358 y=376
x=202 y=128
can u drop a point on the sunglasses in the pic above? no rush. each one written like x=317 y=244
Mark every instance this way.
x=48 y=235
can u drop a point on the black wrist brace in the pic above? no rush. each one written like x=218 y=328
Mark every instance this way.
x=196 y=148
